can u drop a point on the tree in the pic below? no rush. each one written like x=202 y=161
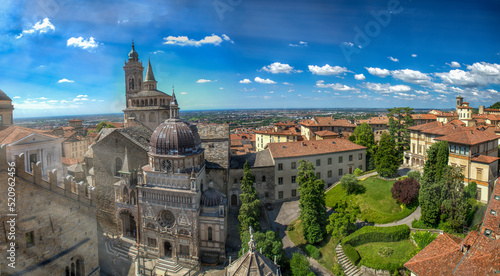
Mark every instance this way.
x=299 y=265
x=471 y=190
x=430 y=190
x=453 y=200
x=249 y=211
x=342 y=221
x=358 y=172
x=415 y=175
x=495 y=105
x=311 y=203
x=102 y=125
x=270 y=243
x=364 y=136
x=351 y=184
x=399 y=120
x=406 y=190
x=386 y=159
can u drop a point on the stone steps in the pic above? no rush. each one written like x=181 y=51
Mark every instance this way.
x=121 y=249
x=347 y=266
x=168 y=265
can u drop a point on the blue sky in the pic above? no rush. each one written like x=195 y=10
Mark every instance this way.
x=65 y=57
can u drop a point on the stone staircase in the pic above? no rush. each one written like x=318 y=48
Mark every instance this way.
x=347 y=266
x=121 y=249
x=168 y=265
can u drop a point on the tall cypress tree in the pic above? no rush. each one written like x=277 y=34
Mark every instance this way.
x=250 y=203
x=312 y=203
x=364 y=136
x=399 y=120
x=386 y=158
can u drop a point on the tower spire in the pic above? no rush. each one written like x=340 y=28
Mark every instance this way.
x=149 y=73
x=133 y=55
x=174 y=106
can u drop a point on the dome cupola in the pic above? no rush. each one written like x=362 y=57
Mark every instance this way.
x=175 y=137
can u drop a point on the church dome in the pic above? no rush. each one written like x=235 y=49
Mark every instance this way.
x=175 y=137
x=133 y=54
x=211 y=197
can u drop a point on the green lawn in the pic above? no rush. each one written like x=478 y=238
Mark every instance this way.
x=371 y=258
x=326 y=247
x=376 y=204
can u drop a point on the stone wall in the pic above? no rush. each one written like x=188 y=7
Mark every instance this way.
x=265 y=189
x=105 y=153
x=59 y=221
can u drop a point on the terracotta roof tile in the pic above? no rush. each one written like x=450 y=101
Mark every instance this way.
x=12 y=134
x=327 y=121
x=291 y=131
x=424 y=116
x=324 y=133
x=69 y=161
x=375 y=120
x=485 y=159
x=312 y=147
x=469 y=136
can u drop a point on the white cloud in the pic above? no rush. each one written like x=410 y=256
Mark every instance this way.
x=287 y=83
x=478 y=74
x=16 y=97
x=387 y=88
x=421 y=92
x=157 y=52
x=82 y=43
x=40 y=27
x=454 y=64
x=378 y=72
x=221 y=88
x=42 y=98
x=485 y=69
x=290 y=90
x=184 y=93
x=411 y=76
x=413 y=55
x=277 y=68
x=185 y=41
x=65 y=80
x=204 y=81
x=327 y=70
x=266 y=81
x=300 y=44
x=334 y=86
x=349 y=44
x=393 y=59
x=489 y=90
x=360 y=77
x=245 y=81
x=267 y=97
x=458 y=77
x=82 y=96
x=271 y=92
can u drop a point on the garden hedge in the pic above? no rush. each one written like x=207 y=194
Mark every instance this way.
x=369 y=234
x=351 y=253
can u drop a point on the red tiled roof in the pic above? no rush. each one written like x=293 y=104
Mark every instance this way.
x=457 y=122
x=375 y=120
x=243 y=136
x=290 y=131
x=67 y=128
x=69 y=161
x=290 y=123
x=117 y=125
x=75 y=120
x=485 y=159
x=468 y=136
x=327 y=121
x=438 y=258
x=312 y=147
x=12 y=134
x=324 y=133
x=424 y=116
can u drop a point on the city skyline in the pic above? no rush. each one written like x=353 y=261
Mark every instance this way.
x=66 y=57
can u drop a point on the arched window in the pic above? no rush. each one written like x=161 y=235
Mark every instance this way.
x=80 y=270
x=133 y=200
x=142 y=118
x=130 y=83
x=152 y=117
x=118 y=165
x=164 y=115
x=156 y=102
x=210 y=234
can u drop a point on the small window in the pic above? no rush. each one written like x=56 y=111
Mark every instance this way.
x=487 y=233
x=294 y=193
x=318 y=162
x=329 y=174
x=493 y=212
x=340 y=159
x=318 y=175
x=293 y=165
x=340 y=171
x=280 y=166
x=280 y=180
x=235 y=180
x=497 y=197
x=263 y=178
x=329 y=161
x=360 y=156
x=293 y=178
x=30 y=239
x=280 y=194
x=350 y=157
x=210 y=234
x=152 y=242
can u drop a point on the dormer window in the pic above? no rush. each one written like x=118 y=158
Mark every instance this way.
x=487 y=233
x=493 y=212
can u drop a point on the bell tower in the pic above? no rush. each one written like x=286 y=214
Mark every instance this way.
x=133 y=73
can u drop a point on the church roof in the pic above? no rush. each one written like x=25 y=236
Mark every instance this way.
x=175 y=137
x=11 y=134
x=148 y=93
x=4 y=97
x=149 y=73
x=211 y=197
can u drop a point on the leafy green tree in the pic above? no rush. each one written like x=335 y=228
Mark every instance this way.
x=351 y=184
x=399 y=120
x=342 y=221
x=249 y=211
x=386 y=159
x=299 y=265
x=415 y=175
x=495 y=105
x=364 y=136
x=270 y=243
x=311 y=203
x=423 y=238
x=102 y=125
x=358 y=172
x=453 y=200
x=430 y=186
x=471 y=190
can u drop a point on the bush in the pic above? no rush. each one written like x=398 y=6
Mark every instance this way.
x=415 y=175
x=313 y=251
x=377 y=234
x=406 y=190
x=351 y=184
x=358 y=172
x=423 y=238
x=420 y=224
x=338 y=270
x=290 y=227
x=351 y=253
x=299 y=265
x=471 y=190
